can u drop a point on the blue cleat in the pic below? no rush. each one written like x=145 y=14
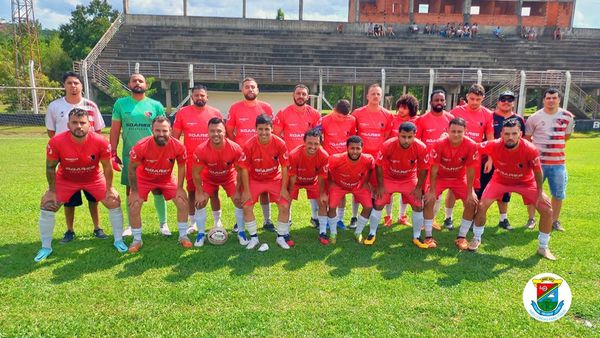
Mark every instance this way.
x=42 y=254
x=340 y=225
x=120 y=246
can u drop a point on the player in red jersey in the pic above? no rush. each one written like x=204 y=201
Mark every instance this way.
x=214 y=164
x=152 y=162
x=454 y=160
x=518 y=169
x=192 y=122
x=292 y=122
x=308 y=170
x=265 y=170
x=349 y=173
x=241 y=127
x=79 y=153
x=403 y=163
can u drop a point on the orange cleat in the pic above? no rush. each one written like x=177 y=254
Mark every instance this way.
x=403 y=220
x=135 y=246
x=461 y=243
x=387 y=221
x=185 y=242
x=430 y=242
x=436 y=226
x=474 y=244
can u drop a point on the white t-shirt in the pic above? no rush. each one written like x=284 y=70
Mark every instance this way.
x=57 y=116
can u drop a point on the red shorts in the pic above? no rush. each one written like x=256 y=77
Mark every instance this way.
x=495 y=191
x=361 y=195
x=65 y=189
x=458 y=187
x=272 y=187
x=211 y=188
x=167 y=188
x=312 y=191
x=405 y=187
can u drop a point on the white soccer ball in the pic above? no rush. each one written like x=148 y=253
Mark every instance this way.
x=217 y=236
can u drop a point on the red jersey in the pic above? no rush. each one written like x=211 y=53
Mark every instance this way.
x=219 y=163
x=513 y=166
x=156 y=162
x=397 y=120
x=431 y=126
x=78 y=162
x=307 y=168
x=193 y=122
x=242 y=119
x=402 y=164
x=294 y=121
x=348 y=174
x=479 y=122
x=453 y=161
x=373 y=127
x=263 y=160
x=337 y=128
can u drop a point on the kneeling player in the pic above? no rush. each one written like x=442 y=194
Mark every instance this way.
x=152 y=162
x=403 y=161
x=79 y=154
x=308 y=170
x=518 y=170
x=214 y=164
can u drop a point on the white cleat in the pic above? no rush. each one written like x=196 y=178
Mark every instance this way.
x=199 y=240
x=164 y=230
x=282 y=243
x=252 y=243
x=242 y=238
x=191 y=229
x=127 y=232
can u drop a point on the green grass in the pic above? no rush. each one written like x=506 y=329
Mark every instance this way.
x=87 y=289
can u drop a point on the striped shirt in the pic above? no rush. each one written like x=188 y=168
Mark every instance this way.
x=548 y=133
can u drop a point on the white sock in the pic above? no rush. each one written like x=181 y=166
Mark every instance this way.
x=449 y=212
x=354 y=208
x=46 y=226
x=503 y=217
x=360 y=224
x=137 y=234
x=437 y=206
x=332 y=221
x=543 y=240
x=322 y=224
x=115 y=217
x=428 y=224
x=464 y=228
x=216 y=216
x=182 y=226
x=477 y=232
x=314 y=208
x=201 y=220
x=239 y=218
x=251 y=226
x=191 y=220
x=340 y=213
x=388 y=208
x=374 y=221
x=417 y=223
x=283 y=228
x=266 y=208
x=403 y=207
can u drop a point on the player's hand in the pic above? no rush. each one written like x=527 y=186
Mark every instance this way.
x=181 y=195
x=285 y=194
x=116 y=162
x=49 y=201
x=324 y=199
x=379 y=192
x=134 y=199
x=472 y=199
x=488 y=166
x=201 y=198
x=429 y=197
x=112 y=195
x=245 y=197
x=418 y=194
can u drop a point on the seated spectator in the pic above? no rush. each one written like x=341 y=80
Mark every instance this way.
x=498 y=33
x=376 y=30
x=474 y=30
x=435 y=30
x=340 y=28
x=413 y=28
x=426 y=29
x=557 y=34
x=524 y=32
x=370 y=29
x=390 y=32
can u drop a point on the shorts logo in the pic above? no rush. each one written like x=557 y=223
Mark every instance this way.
x=171 y=160
x=547 y=297
x=93 y=157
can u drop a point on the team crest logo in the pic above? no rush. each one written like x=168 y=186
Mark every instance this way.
x=93 y=157
x=547 y=297
x=148 y=114
x=171 y=160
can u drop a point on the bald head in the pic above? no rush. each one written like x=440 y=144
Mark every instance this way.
x=137 y=83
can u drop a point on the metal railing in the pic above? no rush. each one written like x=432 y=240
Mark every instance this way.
x=583 y=101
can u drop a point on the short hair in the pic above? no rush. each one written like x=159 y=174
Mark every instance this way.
x=314 y=132
x=134 y=74
x=78 y=112
x=407 y=127
x=161 y=119
x=409 y=102
x=435 y=92
x=476 y=89
x=342 y=106
x=552 y=90
x=216 y=120
x=510 y=123
x=459 y=121
x=377 y=85
x=248 y=79
x=354 y=139
x=264 y=119
x=300 y=85
x=70 y=74
x=199 y=87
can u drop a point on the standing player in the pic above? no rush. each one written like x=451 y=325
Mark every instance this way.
x=214 y=164
x=132 y=118
x=308 y=170
x=241 y=127
x=518 y=170
x=349 y=173
x=550 y=128
x=152 y=162
x=57 y=120
x=78 y=155
x=192 y=122
x=403 y=161
x=265 y=170
x=454 y=161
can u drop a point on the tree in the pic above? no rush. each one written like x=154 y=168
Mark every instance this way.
x=55 y=59
x=280 y=14
x=86 y=27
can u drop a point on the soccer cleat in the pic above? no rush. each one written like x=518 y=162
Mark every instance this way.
x=68 y=237
x=191 y=229
x=505 y=225
x=557 y=226
x=99 y=233
x=289 y=240
x=200 y=237
x=448 y=224
x=42 y=254
x=461 y=243
x=545 y=252
x=127 y=232
x=235 y=228
x=358 y=237
x=530 y=223
x=430 y=242
x=333 y=239
x=417 y=242
x=353 y=222
x=185 y=242
x=268 y=226
x=387 y=221
x=370 y=240
x=403 y=220
x=164 y=230
x=120 y=246
x=435 y=225
x=242 y=238
x=135 y=246
x=314 y=222
x=474 y=244
x=323 y=239
x=341 y=225
x=252 y=243
x=282 y=243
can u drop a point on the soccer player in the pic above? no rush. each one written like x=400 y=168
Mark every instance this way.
x=150 y=168
x=265 y=170
x=57 y=120
x=454 y=161
x=308 y=170
x=349 y=173
x=403 y=162
x=132 y=118
x=214 y=164
x=241 y=127
x=432 y=125
x=78 y=154
x=192 y=122
x=518 y=170
x=550 y=128
x=292 y=122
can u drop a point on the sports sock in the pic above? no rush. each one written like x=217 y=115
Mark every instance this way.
x=266 y=209
x=322 y=224
x=437 y=206
x=46 y=226
x=464 y=227
x=503 y=217
x=251 y=226
x=417 y=223
x=388 y=209
x=360 y=224
x=332 y=224
x=340 y=213
x=428 y=224
x=403 y=207
x=137 y=234
x=314 y=208
x=239 y=218
x=161 y=208
x=191 y=219
x=115 y=217
x=543 y=240
x=374 y=221
x=477 y=232
x=216 y=217
x=449 y=212
x=201 y=220
x=354 y=208
x=283 y=228
x=182 y=226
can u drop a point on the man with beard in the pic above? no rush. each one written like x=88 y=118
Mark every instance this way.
x=214 y=164
x=57 y=120
x=78 y=155
x=518 y=170
x=192 y=122
x=152 y=162
x=132 y=118
x=241 y=127
x=291 y=123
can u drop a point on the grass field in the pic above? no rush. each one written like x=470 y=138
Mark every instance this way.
x=87 y=289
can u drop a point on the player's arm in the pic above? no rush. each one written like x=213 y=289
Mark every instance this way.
x=470 y=179
x=115 y=133
x=421 y=177
x=132 y=176
x=245 y=184
x=201 y=196
x=379 y=176
x=177 y=133
x=49 y=199
x=51 y=133
x=292 y=181
x=539 y=182
x=433 y=172
x=111 y=192
x=322 y=192
x=181 y=167
x=285 y=193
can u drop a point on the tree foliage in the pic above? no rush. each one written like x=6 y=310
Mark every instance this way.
x=116 y=90
x=280 y=14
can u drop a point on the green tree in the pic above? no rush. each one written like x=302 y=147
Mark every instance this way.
x=86 y=27
x=116 y=90
x=280 y=14
x=55 y=60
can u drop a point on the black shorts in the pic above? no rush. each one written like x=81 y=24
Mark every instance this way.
x=76 y=200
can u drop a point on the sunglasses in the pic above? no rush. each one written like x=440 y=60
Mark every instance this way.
x=506 y=99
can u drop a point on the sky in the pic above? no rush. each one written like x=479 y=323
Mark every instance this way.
x=53 y=13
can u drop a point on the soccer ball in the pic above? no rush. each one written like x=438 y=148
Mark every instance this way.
x=217 y=236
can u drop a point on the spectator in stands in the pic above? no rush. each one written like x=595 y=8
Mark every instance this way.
x=443 y=30
x=413 y=28
x=474 y=30
x=498 y=33
x=532 y=34
x=370 y=29
x=557 y=34
x=435 y=30
x=390 y=32
x=460 y=32
x=427 y=29
x=376 y=30
x=340 y=28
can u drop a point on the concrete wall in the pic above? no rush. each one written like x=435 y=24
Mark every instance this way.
x=223 y=100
